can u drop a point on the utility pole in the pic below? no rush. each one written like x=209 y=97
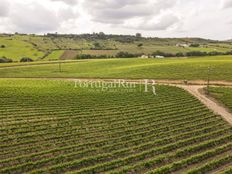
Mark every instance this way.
x=208 y=81
x=59 y=66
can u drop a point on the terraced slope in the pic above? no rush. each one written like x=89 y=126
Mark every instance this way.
x=53 y=127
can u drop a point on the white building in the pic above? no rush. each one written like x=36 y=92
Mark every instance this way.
x=182 y=45
x=159 y=57
x=144 y=56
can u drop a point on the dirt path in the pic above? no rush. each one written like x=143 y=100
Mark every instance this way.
x=39 y=63
x=165 y=82
x=211 y=103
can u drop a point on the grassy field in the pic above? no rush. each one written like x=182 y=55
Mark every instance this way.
x=55 y=55
x=16 y=48
x=53 y=127
x=185 y=68
x=224 y=95
x=36 y=63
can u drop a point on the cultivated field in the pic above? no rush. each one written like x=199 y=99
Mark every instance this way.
x=53 y=127
x=55 y=55
x=224 y=95
x=172 y=69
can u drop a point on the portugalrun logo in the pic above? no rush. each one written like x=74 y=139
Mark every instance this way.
x=145 y=85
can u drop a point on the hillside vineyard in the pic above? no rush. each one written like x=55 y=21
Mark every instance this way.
x=52 y=127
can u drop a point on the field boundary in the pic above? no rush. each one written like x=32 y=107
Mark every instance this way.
x=161 y=81
x=41 y=63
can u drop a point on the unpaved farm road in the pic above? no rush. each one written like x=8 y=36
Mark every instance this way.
x=211 y=103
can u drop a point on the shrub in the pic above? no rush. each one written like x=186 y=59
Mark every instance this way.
x=84 y=56
x=26 y=59
x=89 y=56
x=3 y=46
x=5 y=60
x=215 y=53
x=180 y=54
x=140 y=45
x=97 y=46
x=138 y=35
x=194 y=45
x=160 y=53
x=228 y=53
x=196 y=53
x=127 y=55
x=125 y=40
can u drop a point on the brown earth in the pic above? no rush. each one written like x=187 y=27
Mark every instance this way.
x=69 y=54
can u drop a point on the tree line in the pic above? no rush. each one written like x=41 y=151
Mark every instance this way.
x=156 y=53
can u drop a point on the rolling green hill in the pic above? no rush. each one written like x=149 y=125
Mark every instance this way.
x=15 y=48
x=173 y=69
x=49 y=47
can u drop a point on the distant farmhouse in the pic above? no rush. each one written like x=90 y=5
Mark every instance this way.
x=183 y=45
x=150 y=56
x=159 y=57
x=145 y=56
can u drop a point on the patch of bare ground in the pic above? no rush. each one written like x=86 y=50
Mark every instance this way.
x=69 y=54
x=196 y=82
